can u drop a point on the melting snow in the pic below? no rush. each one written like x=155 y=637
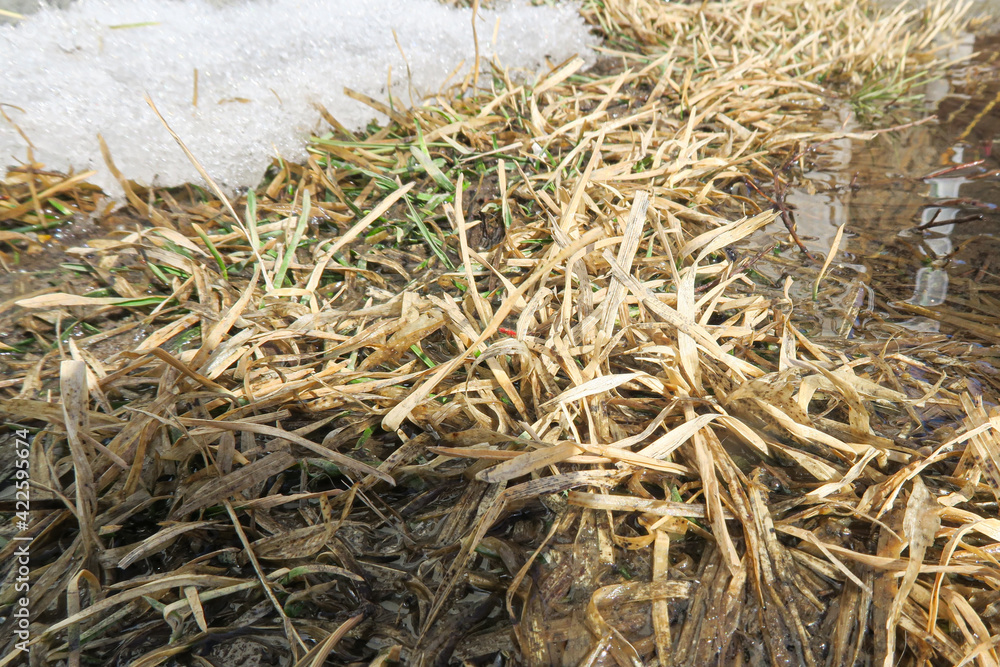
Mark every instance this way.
x=69 y=75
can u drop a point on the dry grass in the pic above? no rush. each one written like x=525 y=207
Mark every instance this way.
x=498 y=385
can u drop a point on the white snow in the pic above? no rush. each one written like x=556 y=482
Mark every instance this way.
x=67 y=75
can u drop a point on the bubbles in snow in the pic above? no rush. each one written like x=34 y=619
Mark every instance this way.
x=73 y=74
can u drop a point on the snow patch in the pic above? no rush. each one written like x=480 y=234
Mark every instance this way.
x=72 y=74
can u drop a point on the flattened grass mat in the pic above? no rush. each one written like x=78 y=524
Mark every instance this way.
x=496 y=384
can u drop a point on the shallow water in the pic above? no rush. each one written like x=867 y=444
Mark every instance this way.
x=882 y=190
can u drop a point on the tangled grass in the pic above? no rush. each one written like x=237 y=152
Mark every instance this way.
x=494 y=382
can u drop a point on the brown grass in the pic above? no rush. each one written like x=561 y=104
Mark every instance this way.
x=487 y=381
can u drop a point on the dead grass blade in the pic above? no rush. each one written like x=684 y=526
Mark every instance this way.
x=517 y=346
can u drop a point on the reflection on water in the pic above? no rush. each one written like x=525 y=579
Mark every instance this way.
x=932 y=282
x=885 y=189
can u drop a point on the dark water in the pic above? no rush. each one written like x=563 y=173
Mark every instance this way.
x=882 y=190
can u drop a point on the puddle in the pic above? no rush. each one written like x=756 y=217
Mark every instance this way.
x=887 y=270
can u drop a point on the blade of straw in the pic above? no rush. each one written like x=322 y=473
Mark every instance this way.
x=829 y=258
x=215 y=188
